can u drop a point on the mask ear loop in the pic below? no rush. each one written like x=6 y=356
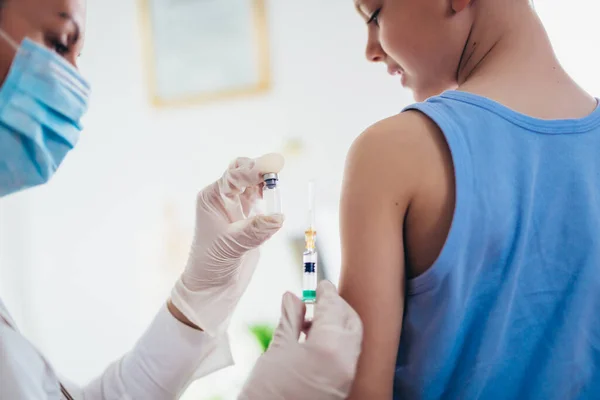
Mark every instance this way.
x=9 y=40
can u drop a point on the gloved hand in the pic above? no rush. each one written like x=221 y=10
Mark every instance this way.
x=224 y=251
x=324 y=366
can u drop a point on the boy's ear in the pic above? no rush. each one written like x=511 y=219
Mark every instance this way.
x=460 y=5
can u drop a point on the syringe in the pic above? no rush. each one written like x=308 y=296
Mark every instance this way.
x=309 y=258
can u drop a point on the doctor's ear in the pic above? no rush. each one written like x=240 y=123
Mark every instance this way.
x=460 y=5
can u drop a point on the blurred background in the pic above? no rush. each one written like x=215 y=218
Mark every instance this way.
x=86 y=261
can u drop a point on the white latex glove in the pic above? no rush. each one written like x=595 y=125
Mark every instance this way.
x=224 y=251
x=324 y=366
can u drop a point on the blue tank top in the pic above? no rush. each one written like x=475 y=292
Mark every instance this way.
x=511 y=308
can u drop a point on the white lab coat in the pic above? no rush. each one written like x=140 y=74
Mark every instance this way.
x=164 y=361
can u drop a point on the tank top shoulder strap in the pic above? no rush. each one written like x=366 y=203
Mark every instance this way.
x=448 y=119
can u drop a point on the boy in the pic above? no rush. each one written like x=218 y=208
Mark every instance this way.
x=470 y=222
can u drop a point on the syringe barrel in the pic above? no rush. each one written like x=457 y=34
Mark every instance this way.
x=309 y=279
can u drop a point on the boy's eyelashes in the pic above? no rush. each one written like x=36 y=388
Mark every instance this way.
x=374 y=17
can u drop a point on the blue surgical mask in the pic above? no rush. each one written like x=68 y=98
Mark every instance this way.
x=41 y=104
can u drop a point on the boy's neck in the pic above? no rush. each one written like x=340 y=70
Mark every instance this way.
x=509 y=58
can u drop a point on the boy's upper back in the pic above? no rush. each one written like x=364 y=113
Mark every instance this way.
x=508 y=308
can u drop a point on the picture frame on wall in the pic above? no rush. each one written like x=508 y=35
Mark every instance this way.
x=197 y=51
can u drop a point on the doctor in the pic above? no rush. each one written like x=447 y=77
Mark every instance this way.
x=42 y=100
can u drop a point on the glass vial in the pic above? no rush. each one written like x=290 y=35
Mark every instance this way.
x=272 y=194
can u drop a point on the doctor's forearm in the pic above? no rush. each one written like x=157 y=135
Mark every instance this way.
x=167 y=357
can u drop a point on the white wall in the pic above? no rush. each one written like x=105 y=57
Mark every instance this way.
x=86 y=261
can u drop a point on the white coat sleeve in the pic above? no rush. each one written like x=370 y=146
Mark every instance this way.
x=164 y=361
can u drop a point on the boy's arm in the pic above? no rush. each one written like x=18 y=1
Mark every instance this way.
x=379 y=182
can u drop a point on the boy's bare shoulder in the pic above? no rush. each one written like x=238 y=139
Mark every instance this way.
x=399 y=148
x=401 y=134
